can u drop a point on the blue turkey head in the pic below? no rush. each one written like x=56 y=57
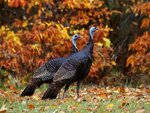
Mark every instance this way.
x=74 y=38
x=92 y=30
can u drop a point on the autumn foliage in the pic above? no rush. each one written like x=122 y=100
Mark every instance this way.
x=37 y=31
x=139 y=60
x=37 y=45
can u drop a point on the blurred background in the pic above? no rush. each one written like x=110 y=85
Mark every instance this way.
x=34 y=31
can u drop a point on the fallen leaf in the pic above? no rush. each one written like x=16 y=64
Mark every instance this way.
x=79 y=100
x=148 y=90
x=109 y=106
x=3 y=109
x=72 y=107
x=103 y=95
x=31 y=106
x=89 y=109
x=126 y=89
x=61 y=112
x=116 y=91
x=95 y=100
x=42 y=108
x=124 y=103
x=121 y=89
x=140 y=111
x=35 y=97
x=23 y=102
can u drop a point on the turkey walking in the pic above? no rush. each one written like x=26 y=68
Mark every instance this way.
x=44 y=74
x=75 y=69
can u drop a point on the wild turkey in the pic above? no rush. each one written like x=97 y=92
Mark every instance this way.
x=44 y=74
x=75 y=69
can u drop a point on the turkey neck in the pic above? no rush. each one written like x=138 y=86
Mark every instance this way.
x=74 y=49
x=90 y=43
x=74 y=46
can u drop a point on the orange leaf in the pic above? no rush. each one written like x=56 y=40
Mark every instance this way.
x=31 y=106
x=130 y=60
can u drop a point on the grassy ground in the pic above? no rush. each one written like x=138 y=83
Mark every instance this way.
x=93 y=99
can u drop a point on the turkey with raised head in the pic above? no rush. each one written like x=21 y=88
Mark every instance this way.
x=75 y=69
x=44 y=74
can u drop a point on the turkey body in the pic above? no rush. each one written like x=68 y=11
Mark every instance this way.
x=45 y=73
x=75 y=69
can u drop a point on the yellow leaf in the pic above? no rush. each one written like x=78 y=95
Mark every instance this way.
x=36 y=2
x=107 y=42
x=113 y=63
x=109 y=106
x=58 y=26
x=13 y=50
x=25 y=24
x=48 y=23
x=100 y=44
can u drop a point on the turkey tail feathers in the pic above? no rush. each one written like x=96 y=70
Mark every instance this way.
x=29 y=90
x=52 y=91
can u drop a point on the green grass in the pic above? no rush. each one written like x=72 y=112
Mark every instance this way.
x=89 y=102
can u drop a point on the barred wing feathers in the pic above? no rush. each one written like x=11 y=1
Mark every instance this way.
x=69 y=69
x=66 y=71
x=46 y=71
